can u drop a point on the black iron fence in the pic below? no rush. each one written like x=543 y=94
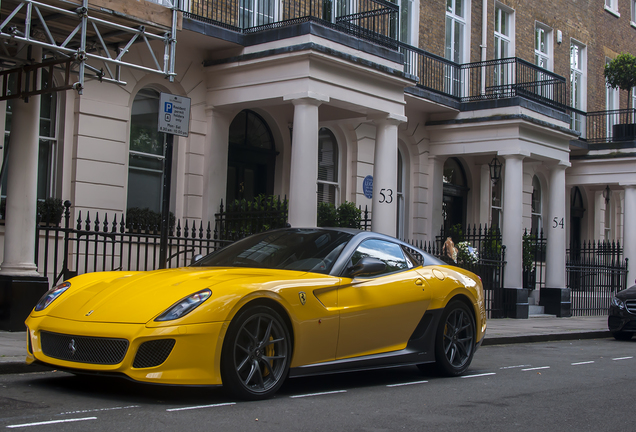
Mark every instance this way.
x=595 y=272
x=374 y=20
x=95 y=243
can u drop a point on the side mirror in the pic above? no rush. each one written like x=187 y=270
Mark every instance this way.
x=196 y=258
x=367 y=266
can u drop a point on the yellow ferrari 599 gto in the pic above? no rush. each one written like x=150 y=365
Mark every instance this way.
x=284 y=303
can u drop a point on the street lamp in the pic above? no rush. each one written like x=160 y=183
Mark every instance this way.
x=495 y=170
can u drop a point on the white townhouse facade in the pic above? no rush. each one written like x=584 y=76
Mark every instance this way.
x=309 y=99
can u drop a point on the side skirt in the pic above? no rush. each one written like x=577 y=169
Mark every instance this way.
x=419 y=349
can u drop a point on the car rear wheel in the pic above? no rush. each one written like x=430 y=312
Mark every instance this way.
x=622 y=336
x=455 y=339
x=256 y=353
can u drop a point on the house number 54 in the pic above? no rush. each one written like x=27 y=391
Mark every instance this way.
x=557 y=223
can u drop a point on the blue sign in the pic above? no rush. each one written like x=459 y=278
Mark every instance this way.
x=367 y=186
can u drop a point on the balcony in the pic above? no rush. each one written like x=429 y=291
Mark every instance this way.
x=372 y=20
x=482 y=81
x=613 y=129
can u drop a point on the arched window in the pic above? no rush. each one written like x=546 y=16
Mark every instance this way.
x=47 y=152
x=251 y=157
x=537 y=218
x=146 y=156
x=327 y=167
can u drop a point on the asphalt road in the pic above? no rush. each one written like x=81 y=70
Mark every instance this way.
x=583 y=385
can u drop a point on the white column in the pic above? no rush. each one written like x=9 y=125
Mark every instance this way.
x=512 y=229
x=303 y=201
x=385 y=175
x=556 y=229
x=629 y=232
x=215 y=162
x=22 y=176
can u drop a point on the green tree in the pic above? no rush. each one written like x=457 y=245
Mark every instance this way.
x=621 y=73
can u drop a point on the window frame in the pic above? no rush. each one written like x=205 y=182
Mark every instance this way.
x=536 y=212
x=256 y=16
x=581 y=72
x=145 y=155
x=452 y=18
x=611 y=6
x=335 y=167
x=548 y=54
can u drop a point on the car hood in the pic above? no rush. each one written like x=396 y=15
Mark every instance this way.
x=139 y=297
x=629 y=293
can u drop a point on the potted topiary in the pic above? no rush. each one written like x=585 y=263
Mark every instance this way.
x=621 y=73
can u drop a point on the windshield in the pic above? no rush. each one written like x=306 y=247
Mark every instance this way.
x=313 y=250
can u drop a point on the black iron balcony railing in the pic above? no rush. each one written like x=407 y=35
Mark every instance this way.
x=492 y=79
x=613 y=126
x=374 y=20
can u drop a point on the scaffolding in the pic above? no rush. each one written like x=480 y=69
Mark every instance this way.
x=83 y=41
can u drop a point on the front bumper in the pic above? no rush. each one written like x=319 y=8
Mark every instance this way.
x=621 y=320
x=193 y=360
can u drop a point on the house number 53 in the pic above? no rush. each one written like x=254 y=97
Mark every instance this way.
x=386 y=196
x=556 y=222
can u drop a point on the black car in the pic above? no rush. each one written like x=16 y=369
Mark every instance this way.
x=622 y=314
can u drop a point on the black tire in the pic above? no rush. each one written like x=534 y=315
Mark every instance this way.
x=455 y=339
x=256 y=354
x=622 y=336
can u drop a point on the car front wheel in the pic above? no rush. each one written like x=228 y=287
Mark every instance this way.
x=256 y=353
x=455 y=339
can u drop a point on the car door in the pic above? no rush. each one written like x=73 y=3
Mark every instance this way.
x=378 y=313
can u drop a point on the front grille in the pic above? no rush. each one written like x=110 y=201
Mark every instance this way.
x=83 y=349
x=153 y=353
x=631 y=306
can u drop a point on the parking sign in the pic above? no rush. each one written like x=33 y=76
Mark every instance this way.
x=174 y=114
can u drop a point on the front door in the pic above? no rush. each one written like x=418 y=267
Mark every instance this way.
x=251 y=158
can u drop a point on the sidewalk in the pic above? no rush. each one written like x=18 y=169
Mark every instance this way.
x=540 y=328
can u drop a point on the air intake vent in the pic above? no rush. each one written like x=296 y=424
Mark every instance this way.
x=153 y=353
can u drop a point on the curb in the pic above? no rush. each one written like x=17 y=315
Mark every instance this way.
x=506 y=340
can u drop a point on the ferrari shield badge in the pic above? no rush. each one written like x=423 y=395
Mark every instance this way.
x=303 y=297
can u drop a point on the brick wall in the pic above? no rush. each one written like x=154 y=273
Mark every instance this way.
x=586 y=21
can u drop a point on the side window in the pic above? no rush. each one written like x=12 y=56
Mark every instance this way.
x=390 y=253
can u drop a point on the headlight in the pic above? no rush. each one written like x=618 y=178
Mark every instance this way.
x=51 y=295
x=618 y=303
x=184 y=306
